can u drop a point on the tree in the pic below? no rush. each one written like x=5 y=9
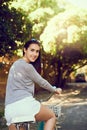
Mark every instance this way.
x=38 y=12
x=19 y=23
x=14 y=28
x=65 y=39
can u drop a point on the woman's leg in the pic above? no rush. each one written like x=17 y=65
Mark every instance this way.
x=47 y=115
x=12 y=127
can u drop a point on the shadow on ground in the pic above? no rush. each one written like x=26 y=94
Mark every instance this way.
x=74 y=109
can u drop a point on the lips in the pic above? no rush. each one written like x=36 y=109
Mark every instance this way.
x=33 y=58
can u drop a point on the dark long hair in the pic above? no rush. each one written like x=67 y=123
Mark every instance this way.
x=37 y=63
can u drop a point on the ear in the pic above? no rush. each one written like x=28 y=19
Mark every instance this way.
x=24 y=50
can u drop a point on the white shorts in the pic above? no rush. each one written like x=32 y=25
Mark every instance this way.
x=22 y=111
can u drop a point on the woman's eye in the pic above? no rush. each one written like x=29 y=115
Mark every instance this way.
x=32 y=49
x=37 y=51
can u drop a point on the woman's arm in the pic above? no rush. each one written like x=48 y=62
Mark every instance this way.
x=38 y=79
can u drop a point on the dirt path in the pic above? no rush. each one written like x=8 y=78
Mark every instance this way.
x=73 y=108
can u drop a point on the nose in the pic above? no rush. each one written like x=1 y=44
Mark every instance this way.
x=35 y=53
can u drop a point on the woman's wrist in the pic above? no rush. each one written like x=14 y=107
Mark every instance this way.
x=58 y=90
x=54 y=88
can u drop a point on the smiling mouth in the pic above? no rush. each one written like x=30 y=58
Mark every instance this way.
x=34 y=58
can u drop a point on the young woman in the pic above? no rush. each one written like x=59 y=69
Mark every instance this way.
x=20 y=105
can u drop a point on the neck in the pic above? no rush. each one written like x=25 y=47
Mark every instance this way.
x=25 y=59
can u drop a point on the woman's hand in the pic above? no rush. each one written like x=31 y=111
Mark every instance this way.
x=58 y=90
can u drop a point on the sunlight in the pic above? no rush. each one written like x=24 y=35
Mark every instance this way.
x=25 y=6
x=79 y=3
x=72 y=33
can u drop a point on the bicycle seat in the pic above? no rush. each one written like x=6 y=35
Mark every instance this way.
x=22 y=122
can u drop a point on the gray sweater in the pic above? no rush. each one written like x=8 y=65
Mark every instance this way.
x=21 y=81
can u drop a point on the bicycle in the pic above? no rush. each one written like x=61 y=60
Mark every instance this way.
x=56 y=108
x=57 y=111
x=40 y=125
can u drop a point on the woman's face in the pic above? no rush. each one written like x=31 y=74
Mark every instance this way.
x=32 y=52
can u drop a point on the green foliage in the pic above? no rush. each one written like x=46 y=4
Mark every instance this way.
x=67 y=28
x=38 y=12
x=4 y=1
x=14 y=27
x=65 y=38
x=64 y=32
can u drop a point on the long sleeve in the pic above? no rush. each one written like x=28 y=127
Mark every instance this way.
x=21 y=79
x=37 y=78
